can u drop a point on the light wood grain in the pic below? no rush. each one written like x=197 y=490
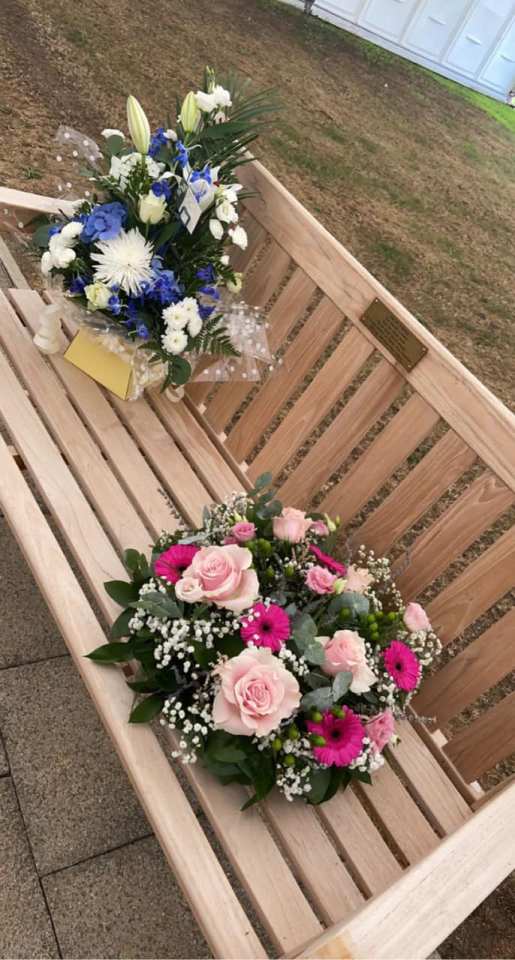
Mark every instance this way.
x=470 y=409
x=316 y=334
x=455 y=529
x=11 y=266
x=440 y=800
x=426 y=482
x=482 y=664
x=475 y=590
x=117 y=445
x=370 y=401
x=371 y=860
x=317 y=400
x=486 y=741
x=399 y=815
x=175 y=824
x=411 y=919
x=414 y=421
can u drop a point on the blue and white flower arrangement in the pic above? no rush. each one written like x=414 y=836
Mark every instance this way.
x=146 y=252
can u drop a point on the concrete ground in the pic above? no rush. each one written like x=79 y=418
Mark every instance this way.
x=81 y=874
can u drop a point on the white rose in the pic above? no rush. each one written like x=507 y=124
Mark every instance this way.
x=98 y=295
x=216 y=229
x=109 y=132
x=239 y=237
x=226 y=212
x=47 y=263
x=205 y=101
x=151 y=209
x=174 y=341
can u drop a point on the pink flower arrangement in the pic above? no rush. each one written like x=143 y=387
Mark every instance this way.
x=358 y=579
x=266 y=626
x=224 y=576
x=380 y=729
x=319 y=528
x=416 y=618
x=320 y=580
x=327 y=561
x=243 y=531
x=174 y=561
x=256 y=694
x=402 y=665
x=291 y=525
x=343 y=738
x=345 y=651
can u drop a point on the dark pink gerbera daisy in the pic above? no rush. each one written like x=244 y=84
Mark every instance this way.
x=174 y=561
x=266 y=626
x=402 y=665
x=328 y=561
x=343 y=738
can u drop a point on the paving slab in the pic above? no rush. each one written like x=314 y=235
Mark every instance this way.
x=123 y=904
x=75 y=797
x=25 y=926
x=28 y=631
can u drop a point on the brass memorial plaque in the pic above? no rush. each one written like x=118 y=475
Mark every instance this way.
x=391 y=332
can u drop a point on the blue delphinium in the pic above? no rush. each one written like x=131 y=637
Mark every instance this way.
x=157 y=141
x=104 y=222
x=162 y=188
x=205 y=311
x=204 y=174
x=142 y=331
x=78 y=283
x=165 y=289
x=55 y=228
x=211 y=292
x=207 y=274
x=183 y=155
x=114 y=304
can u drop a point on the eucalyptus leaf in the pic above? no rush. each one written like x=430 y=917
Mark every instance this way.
x=304 y=631
x=314 y=653
x=341 y=684
x=158 y=605
x=320 y=699
x=356 y=602
x=113 y=145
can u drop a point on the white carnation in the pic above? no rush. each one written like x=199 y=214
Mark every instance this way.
x=174 y=341
x=195 y=325
x=179 y=315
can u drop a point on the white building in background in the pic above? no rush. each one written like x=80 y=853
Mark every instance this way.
x=471 y=41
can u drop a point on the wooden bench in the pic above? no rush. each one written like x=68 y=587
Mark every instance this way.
x=386 y=871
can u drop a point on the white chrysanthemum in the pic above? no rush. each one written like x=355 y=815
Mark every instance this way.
x=124 y=261
x=174 y=341
x=195 y=325
x=178 y=315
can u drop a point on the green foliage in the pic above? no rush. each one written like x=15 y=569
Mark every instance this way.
x=147 y=709
x=112 y=653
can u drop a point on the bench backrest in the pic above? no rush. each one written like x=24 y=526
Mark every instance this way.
x=419 y=463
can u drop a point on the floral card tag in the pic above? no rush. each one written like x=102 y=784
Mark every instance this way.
x=99 y=363
x=189 y=210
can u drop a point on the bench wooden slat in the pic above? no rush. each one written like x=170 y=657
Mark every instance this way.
x=461 y=400
x=424 y=485
x=399 y=815
x=370 y=401
x=201 y=877
x=482 y=664
x=322 y=872
x=486 y=741
x=442 y=803
x=111 y=435
x=412 y=424
x=313 y=404
x=455 y=530
x=316 y=334
x=118 y=514
x=475 y=590
x=262 y=282
x=360 y=842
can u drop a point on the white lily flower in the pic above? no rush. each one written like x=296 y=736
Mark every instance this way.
x=226 y=212
x=217 y=229
x=239 y=237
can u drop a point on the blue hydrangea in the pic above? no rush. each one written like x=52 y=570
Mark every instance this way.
x=157 y=141
x=104 y=222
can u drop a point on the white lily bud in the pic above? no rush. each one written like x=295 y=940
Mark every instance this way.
x=190 y=113
x=139 y=127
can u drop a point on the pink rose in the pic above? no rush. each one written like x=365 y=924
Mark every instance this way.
x=380 y=729
x=358 y=579
x=224 y=576
x=320 y=580
x=291 y=525
x=243 y=531
x=416 y=618
x=189 y=589
x=345 y=651
x=319 y=528
x=257 y=692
